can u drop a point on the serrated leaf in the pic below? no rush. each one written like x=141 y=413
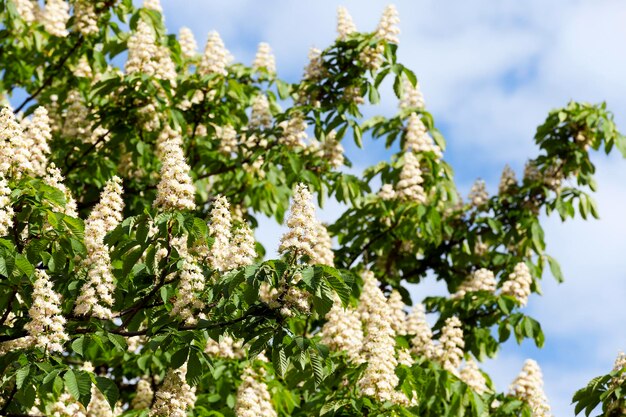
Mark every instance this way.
x=109 y=389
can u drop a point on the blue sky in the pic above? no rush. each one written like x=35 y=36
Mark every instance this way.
x=490 y=72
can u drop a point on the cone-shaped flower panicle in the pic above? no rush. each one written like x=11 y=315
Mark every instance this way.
x=620 y=363
x=345 y=25
x=343 y=330
x=322 y=249
x=409 y=187
x=449 y=352
x=478 y=195
x=398 y=316
x=243 y=247
x=15 y=147
x=417 y=326
x=418 y=139
x=188 y=44
x=227 y=136
x=147 y=57
x=253 y=396
x=226 y=347
x=294 y=131
x=265 y=59
x=528 y=387
x=86 y=17
x=387 y=192
x=190 y=285
x=27 y=9
x=301 y=236
x=412 y=96
x=471 y=375
x=388 y=26
x=220 y=229
x=315 y=68
x=96 y=295
x=47 y=324
x=38 y=133
x=379 y=379
x=143 y=395
x=333 y=150
x=153 y=5
x=175 y=190
x=175 y=396
x=216 y=57
x=518 y=284
x=261 y=116
x=6 y=211
x=507 y=181
x=54 y=17
x=480 y=280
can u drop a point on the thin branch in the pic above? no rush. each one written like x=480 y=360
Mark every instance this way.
x=52 y=75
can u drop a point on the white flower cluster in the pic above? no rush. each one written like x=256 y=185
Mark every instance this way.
x=75 y=123
x=227 y=135
x=388 y=26
x=47 y=324
x=147 y=57
x=143 y=395
x=478 y=195
x=409 y=187
x=412 y=96
x=345 y=25
x=261 y=116
x=294 y=132
x=188 y=44
x=191 y=282
x=333 y=150
x=226 y=347
x=15 y=148
x=96 y=295
x=175 y=190
x=27 y=9
x=54 y=179
x=528 y=387
x=302 y=233
x=253 y=396
x=379 y=379
x=507 y=181
x=471 y=375
x=85 y=16
x=55 y=16
x=449 y=351
x=480 y=280
x=387 y=192
x=397 y=316
x=175 y=396
x=153 y=5
x=418 y=139
x=315 y=68
x=6 y=211
x=220 y=229
x=322 y=253
x=518 y=284
x=242 y=247
x=417 y=326
x=64 y=406
x=264 y=59
x=343 y=330
x=216 y=57
x=38 y=133
x=620 y=364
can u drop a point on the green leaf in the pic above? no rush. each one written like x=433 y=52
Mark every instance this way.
x=279 y=360
x=555 y=268
x=109 y=389
x=78 y=384
x=21 y=375
x=194 y=368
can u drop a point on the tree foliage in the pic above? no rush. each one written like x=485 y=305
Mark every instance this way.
x=191 y=316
